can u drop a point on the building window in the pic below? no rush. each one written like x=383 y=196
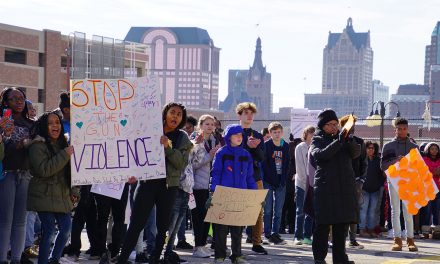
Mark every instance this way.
x=15 y=56
x=40 y=95
x=63 y=61
x=41 y=59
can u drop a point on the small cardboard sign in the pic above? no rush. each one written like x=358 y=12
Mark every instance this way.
x=235 y=207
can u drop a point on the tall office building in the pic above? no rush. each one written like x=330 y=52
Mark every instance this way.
x=347 y=73
x=252 y=85
x=186 y=62
x=432 y=69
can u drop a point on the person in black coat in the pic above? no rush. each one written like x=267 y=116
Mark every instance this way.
x=334 y=191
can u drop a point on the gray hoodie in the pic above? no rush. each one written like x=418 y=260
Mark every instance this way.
x=392 y=151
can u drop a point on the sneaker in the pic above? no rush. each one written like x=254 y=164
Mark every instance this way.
x=141 y=258
x=30 y=252
x=200 y=253
x=355 y=244
x=184 y=245
x=276 y=239
x=259 y=249
x=25 y=260
x=173 y=257
x=105 y=257
x=240 y=260
x=307 y=241
x=219 y=260
x=390 y=233
x=297 y=242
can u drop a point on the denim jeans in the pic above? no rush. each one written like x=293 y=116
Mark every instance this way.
x=13 y=198
x=432 y=209
x=368 y=210
x=150 y=230
x=178 y=213
x=181 y=233
x=273 y=209
x=48 y=225
x=31 y=221
x=395 y=214
x=302 y=219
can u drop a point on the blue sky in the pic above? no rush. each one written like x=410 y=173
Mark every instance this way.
x=293 y=32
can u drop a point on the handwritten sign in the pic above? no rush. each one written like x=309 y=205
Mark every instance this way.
x=115 y=128
x=235 y=207
x=413 y=181
x=113 y=190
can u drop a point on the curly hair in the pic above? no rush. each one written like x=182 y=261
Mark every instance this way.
x=167 y=107
x=4 y=99
x=41 y=129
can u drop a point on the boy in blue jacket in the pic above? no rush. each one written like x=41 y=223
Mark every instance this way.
x=232 y=167
x=276 y=170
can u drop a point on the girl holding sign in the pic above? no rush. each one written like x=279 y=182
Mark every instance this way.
x=161 y=192
x=14 y=179
x=50 y=193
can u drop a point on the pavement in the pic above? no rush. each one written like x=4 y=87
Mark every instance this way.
x=376 y=250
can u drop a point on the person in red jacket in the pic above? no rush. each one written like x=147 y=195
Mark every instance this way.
x=432 y=159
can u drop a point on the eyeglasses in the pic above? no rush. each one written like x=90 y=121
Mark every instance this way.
x=16 y=99
x=332 y=124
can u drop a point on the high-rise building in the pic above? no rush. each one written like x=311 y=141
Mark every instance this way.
x=432 y=69
x=380 y=92
x=253 y=85
x=347 y=73
x=186 y=62
x=432 y=52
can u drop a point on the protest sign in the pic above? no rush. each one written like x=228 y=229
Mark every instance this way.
x=413 y=181
x=235 y=207
x=116 y=127
x=113 y=190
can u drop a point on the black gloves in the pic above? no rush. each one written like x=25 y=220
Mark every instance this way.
x=342 y=138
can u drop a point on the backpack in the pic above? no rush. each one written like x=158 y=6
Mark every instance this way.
x=187 y=176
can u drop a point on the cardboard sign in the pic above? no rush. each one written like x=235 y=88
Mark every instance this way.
x=413 y=181
x=235 y=207
x=116 y=127
x=349 y=124
x=113 y=190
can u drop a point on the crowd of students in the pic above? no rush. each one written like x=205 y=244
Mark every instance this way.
x=323 y=188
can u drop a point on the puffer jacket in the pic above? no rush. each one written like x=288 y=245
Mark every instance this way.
x=176 y=156
x=233 y=166
x=49 y=188
x=201 y=162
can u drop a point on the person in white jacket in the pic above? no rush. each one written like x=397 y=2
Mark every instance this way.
x=304 y=223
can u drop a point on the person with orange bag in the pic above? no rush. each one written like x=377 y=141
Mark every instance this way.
x=392 y=153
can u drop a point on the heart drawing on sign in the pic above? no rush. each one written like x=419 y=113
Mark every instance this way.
x=123 y=122
x=79 y=124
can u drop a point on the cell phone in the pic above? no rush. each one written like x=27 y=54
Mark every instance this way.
x=8 y=113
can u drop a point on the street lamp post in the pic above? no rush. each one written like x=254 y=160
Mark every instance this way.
x=377 y=118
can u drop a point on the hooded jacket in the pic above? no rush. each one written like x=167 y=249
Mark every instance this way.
x=432 y=164
x=269 y=164
x=49 y=188
x=233 y=166
x=334 y=190
x=393 y=149
x=201 y=162
x=176 y=156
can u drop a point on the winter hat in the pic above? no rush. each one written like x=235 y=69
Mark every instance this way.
x=326 y=116
x=231 y=130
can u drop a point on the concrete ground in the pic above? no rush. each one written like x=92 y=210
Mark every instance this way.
x=375 y=251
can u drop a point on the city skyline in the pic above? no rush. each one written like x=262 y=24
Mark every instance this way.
x=293 y=33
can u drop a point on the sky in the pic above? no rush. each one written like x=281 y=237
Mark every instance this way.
x=293 y=32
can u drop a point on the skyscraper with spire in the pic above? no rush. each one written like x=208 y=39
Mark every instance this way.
x=252 y=85
x=347 y=74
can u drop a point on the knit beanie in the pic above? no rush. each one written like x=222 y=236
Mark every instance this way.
x=326 y=116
